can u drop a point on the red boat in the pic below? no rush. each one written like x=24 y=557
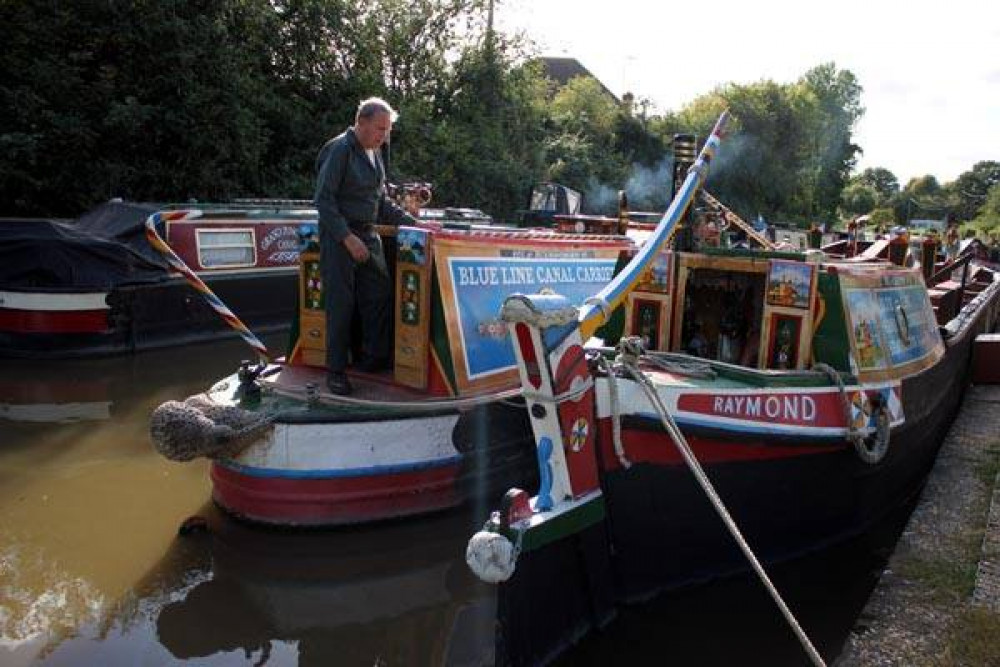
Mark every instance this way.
x=439 y=427
x=95 y=286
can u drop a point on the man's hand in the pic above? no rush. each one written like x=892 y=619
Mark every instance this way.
x=356 y=248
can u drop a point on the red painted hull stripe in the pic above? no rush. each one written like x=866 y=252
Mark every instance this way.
x=339 y=500
x=63 y=321
x=653 y=447
x=370 y=471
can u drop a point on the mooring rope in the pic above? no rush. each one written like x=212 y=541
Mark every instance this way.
x=421 y=405
x=853 y=436
x=444 y=403
x=177 y=265
x=616 y=410
x=632 y=368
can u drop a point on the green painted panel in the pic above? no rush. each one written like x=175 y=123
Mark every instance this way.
x=830 y=341
x=564 y=525
x=439 y=329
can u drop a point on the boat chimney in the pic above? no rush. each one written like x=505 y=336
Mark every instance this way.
x=622 y=212
x=685 y=153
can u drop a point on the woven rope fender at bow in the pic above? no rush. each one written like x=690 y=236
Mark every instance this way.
x=201 y=427
x=491 y=554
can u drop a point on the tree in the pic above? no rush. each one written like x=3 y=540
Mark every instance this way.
x=882 y=218
x=969 y=191
x=149 y=100
x=858 y=198
x=883 y=181
x=790 y=148
x=988 y=220
x=923 y=197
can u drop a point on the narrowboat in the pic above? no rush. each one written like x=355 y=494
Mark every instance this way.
x=444 y=424
x=96 y=287
x=762 y=400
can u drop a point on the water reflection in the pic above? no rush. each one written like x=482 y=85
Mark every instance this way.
x=85 y=503
x=92 y=571
x=397 y=594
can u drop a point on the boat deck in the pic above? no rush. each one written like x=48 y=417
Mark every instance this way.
x=293 y=380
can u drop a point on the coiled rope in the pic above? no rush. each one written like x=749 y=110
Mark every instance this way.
x=629 y=361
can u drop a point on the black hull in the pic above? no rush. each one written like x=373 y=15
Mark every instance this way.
x=171 y=313
x=661 y=532
x=498 y=452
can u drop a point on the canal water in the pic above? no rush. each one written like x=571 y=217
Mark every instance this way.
x=93 y=570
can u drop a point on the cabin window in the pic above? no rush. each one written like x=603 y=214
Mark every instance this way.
x=226 y=248
x=722 y=316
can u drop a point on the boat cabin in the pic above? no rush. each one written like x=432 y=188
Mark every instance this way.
x=450 y=282
x=241 y=238
x=770 y=310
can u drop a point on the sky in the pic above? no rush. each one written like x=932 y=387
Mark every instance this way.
x=930 y=71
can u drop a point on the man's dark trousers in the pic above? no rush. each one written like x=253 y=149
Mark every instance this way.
x=346 y=283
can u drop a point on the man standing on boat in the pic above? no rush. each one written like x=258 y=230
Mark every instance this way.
x=351 y=199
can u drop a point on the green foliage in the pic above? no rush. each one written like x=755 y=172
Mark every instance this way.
x=169 y=100
x=581 y=151
x=484 y=144
x=791 y=151
x=858 y=198
x=883 y=181
x=969 y=191
x=882 y=218
x=987 y=224
x=923 y=197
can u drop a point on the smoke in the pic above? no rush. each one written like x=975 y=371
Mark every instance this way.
x=740 y=152
x=647 y=189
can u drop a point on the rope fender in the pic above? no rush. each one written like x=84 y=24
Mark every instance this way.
x=492 y=552
x=870 y=448
x=491 y=556
x=182 y=431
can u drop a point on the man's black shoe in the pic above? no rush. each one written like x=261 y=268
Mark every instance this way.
x=338 y=384
x=371 y=365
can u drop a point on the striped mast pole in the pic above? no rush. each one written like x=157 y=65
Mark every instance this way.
x=178 y=266
x=598 y=308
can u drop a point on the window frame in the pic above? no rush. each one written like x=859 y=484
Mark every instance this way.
x=253 y=247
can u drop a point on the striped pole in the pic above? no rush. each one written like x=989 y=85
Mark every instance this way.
x=178 y=266
x=598 y=308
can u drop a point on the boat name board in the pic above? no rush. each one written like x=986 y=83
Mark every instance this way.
x=790 y=408
x=476 y=276
x=494 y=275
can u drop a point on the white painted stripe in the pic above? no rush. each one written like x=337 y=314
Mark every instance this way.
x=347 y=446
x=53 y=301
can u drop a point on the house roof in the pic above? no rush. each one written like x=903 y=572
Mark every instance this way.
x=561 y=70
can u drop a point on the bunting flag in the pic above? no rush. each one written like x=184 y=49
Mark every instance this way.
x=178 y=266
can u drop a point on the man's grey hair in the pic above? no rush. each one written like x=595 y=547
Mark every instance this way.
x=373 y=105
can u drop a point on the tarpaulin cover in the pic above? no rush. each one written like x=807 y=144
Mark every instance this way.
x=102 y=249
